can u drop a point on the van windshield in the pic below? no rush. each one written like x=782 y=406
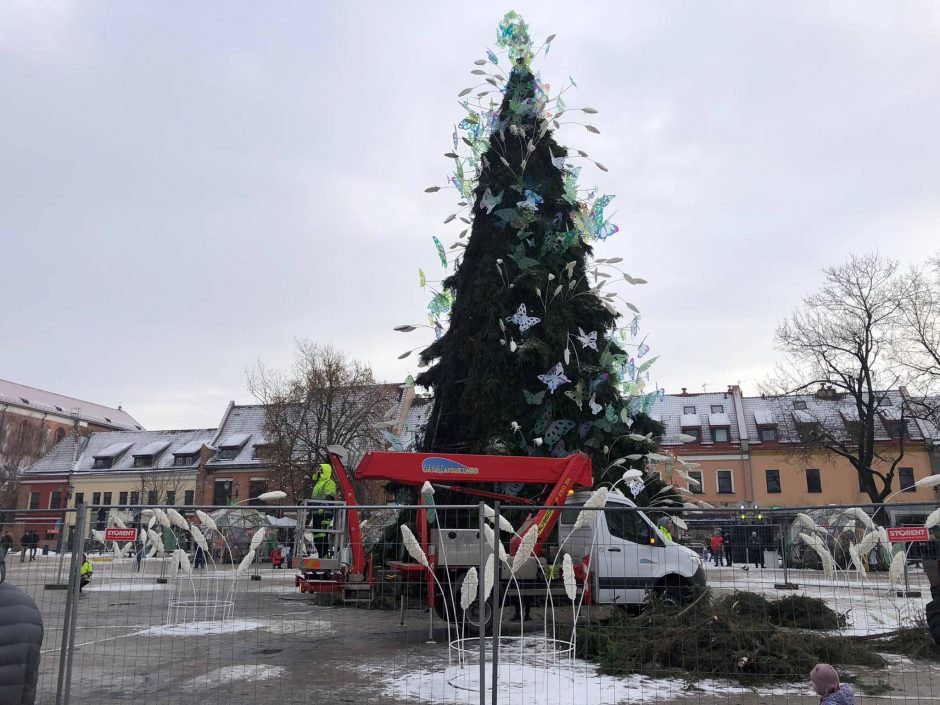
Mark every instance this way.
x=625 y=523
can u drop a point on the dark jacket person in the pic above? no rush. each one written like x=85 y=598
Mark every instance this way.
x=20 y=641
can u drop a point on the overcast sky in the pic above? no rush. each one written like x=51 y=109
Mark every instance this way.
x=187 y=187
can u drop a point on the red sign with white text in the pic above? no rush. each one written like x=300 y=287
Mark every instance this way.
x=901 y=534
x=116 y=534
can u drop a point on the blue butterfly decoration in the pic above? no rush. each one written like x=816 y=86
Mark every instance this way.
x=524 y=321
x=642 y=350
x=635 y=326
x=489 y=201
x=531 y=202
x=554 y=378
x=492 y=57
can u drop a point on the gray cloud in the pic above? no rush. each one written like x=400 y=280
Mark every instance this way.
x=187 y=188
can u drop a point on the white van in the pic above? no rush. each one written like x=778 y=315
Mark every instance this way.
x=629 y=556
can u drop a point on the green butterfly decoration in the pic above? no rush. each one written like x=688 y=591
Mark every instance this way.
x=534 y=399
x=544 y=419
x=610 y=414
x=557 y=430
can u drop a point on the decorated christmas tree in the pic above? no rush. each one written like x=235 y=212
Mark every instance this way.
x=529 y=359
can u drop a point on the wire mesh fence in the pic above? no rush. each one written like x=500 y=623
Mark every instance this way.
x=611 y=604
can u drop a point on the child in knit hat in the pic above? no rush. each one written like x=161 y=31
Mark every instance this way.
x=826 y=684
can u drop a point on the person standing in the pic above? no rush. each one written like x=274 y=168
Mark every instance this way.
x=277 y=558
x=716 y=544
x=932 y=568
x=199 y=560
x=20 y=645
x=756 y=549
x=6 y=543
x=729 y=558
x=87 y=570
x=33 y=545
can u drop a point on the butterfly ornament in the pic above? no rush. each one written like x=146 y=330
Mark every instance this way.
x=587 y=340
x=554 y=378
x=524 y=321
x=595 y=407
x=531 y=202
x=488 y=202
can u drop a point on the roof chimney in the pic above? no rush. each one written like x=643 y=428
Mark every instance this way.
x=684 y=393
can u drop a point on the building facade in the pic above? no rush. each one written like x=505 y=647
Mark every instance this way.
x=751 y=452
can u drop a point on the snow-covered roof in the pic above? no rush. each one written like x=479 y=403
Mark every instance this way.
x=116 y=444
x=235 y=440
x=154 y=448
x=26 y=397
x=678 y=411
x=241 y=424
x=690 y=421
x=719 y=420
x=190 y=448
x=762 y=417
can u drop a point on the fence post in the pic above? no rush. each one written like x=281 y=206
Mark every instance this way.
x=71 y=610
x=497 y=600
x=481 y=606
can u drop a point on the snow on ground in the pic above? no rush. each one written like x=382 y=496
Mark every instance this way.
x=123 y=587
x=569 y=682
x=311 y=628
x=228 y=674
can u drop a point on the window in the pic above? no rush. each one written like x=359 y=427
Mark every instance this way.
x=720 y=435
x=768 y=435
x=188 y=497
x=725 y=482
x=700 y=487
x=813 y=481
x=152 y=497
x=696 y=433
x=799 y=405
x=228 y=453
x=96 y=498
x=897 y=429
x=256 y=487
x=143 y=461
x=183 y=460
x=59 y=434
x=626 y=524
x=122 y=499
x=102 y=463
x=718 y=408
x=884 y=401
x=688 y=409
x=79 y=498
x=54 y=498
x=773 y=481
x=222 y=493
x=34 y=500
x=106 y=499
x=135 y=498
x=171 y=497
x=263 y=452
x=906 y=476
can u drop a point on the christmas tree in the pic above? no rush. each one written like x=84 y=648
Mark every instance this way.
x=532 y=361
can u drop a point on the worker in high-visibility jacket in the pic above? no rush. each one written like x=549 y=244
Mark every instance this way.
x=87 y=570
x=324 y=488
x=664 y=524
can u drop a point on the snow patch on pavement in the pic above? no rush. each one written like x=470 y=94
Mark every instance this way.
x=246 y=672
x=201 y=628
x=124 y=587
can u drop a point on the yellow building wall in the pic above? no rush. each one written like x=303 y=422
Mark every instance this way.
x=88 y=484
x=838 y=478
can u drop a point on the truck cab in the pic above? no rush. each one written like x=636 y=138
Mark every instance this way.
x=628 y=556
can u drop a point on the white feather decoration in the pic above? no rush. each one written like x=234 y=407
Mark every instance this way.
x=176 y=519
x=861 y=516
x=206 y=520
x=161 y=517
x=246 y=561
x=632 y=474
x=490 y=514
x=883 y=537
x=183 y=559
x=199 y=538
x=929 y=481
x=156 y=541
x=152 y=522
x=490 y=537
x=806 y=521
x=118 y=522
x=257 y=539
x=678 y=521
x=118 y=551
x=816 y=543
x=413 y=547
x=857 y=560
x=933 y=519
x=589 y=513
x=525 y=548
x=468 y=589
x=868 y=543
x=427 y=488
x=567 y=574
x=488 y=577
x=896 y=571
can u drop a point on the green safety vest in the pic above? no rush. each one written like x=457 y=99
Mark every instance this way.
x=87 y=569
x=324 y=484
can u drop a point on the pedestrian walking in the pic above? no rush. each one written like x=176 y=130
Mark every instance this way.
x=277 y=558
x=199 y=560
x=20 y=646
x=33 y=544
x=290 y=556
x=716 y=543
x=825 y=682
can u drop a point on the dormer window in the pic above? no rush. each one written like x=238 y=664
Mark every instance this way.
x=184 y=460
x=228 y=453
x=110 y=455
x=696 y=434
x=103 y=463
x=799 y=405
x=688 y=409
x=718 y=408
x=143 y=461
x=720 y=435
x=768 y=434
x=232 y=446
x=262 y=451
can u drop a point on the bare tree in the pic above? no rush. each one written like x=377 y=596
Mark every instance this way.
x=841 y=345
x=327 y=398
x=21 y=443
x=160 y=483
x=920 y=343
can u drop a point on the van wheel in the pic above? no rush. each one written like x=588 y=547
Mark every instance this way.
x=671 y=592
x=468 y=622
